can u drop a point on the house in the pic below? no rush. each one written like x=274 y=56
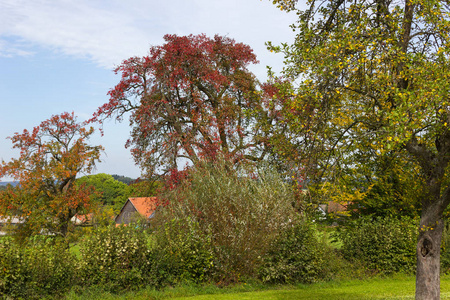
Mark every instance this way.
x=336 y=208
x=135 y=208
x=82 y=220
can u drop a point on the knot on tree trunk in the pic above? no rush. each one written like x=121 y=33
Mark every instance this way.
x=426 y=247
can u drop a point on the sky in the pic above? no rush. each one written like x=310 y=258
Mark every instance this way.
x=58 y=55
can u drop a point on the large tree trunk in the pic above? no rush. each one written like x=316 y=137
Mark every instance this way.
x=434 y=166
x=428 y=256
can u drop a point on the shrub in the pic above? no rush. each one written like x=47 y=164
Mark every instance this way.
x=184 y=253
x=385 y=245
x=297 y=255
x=115 y=257
x=240 y=211
x=43 y=266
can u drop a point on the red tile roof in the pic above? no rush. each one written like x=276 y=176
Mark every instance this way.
x=146 y=206
x=334 y=207
x=84 y=218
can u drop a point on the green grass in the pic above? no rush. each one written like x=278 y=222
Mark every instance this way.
x=397 y=287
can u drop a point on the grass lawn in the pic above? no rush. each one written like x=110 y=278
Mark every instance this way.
x=398 y=287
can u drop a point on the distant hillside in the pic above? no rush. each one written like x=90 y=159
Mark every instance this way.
x=124 y=179
x=13 y=183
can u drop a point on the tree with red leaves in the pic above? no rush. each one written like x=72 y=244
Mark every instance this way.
x=192 y=98
x=51 y=156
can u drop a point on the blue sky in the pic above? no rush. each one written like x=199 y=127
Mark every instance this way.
x=58 y=55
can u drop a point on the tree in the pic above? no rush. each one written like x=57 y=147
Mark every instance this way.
x=110 y=191
x=189 y=98
x=385 y=186
x=373 y=80
x=124 y=179
x=51 y=156
x=146 y=187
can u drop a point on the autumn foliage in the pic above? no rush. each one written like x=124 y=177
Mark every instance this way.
x=190 y=98
x=51 y=156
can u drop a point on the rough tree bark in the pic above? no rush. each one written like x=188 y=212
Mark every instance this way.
x=435 y=201
x=428 y=257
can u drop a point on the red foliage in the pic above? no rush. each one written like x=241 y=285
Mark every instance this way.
x=189 y=98
x=174 y=178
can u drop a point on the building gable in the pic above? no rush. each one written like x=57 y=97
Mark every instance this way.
x=126 y=213
x=144 y=206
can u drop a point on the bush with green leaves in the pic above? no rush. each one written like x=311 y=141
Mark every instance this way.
x=385 y=245
x=41 y=267
x=183 y=254
x=115 y=257
x=297 y=255
x=240 y=210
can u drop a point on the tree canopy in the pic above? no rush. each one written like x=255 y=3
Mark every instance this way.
x=51 y=156
x=124 y=179
x=373 y=80
x=109 y=191
x=190 y=98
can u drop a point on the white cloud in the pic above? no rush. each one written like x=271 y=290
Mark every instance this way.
x=13 y=48
x=107 y=32
x=77 y=28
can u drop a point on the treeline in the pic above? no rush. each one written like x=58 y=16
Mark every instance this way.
x=124 y=179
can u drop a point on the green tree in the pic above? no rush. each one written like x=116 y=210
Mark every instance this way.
x=373 y=79
x=382 y=186
x=109 y=190
x=124 y=179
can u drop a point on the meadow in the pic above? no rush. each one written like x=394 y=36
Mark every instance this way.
x=394 y=287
